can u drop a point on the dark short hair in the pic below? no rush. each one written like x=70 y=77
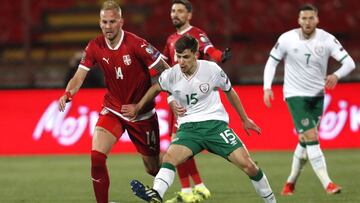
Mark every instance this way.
x=186 y=42
x=186 y=3
x=308 y=7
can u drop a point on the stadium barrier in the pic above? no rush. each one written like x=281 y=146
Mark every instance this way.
x=32 y=123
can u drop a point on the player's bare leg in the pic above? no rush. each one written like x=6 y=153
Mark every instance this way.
x=241 y=158
x=152 y=164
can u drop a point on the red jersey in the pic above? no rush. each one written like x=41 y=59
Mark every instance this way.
x=126 y=68
x=204 y=43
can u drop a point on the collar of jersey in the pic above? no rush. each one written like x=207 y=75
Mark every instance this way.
x=119 y=43
x=185 y=31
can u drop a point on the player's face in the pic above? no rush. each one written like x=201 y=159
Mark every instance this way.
x=110 y=24
x=187 y=61
x=308 y=21
x=179 y=15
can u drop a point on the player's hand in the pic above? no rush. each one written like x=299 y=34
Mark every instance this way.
x=331 y=81
x=177 y=108
x=65 y=98
x=226 y=55
x=130 y=111
x=249 y=124
x=268 y=95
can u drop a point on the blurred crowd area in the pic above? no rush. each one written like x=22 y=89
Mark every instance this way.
x=40 y=39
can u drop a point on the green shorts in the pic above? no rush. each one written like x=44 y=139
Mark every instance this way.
x=214 y=136
x=305 y=111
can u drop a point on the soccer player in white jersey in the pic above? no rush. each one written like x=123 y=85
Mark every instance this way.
x=203 y=121
x=306 y=52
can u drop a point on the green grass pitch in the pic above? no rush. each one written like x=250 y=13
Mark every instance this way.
x=65 y=179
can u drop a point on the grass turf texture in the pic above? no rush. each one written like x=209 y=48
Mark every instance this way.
x=55 y=179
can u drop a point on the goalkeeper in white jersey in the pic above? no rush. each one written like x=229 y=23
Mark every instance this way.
x=203 y=121
x=306 y=52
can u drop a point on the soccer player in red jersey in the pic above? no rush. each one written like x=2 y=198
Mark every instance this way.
x=128 y=62
x=181 y=14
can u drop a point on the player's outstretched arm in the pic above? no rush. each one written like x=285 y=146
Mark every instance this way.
x=218 y=55
x=132 y=110
x=235 y=101
x=226 y=55
x=72 y=88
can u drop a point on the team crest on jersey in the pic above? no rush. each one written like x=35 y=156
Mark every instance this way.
x=320 y=50
x=305 y=122
x=127 y=59
x=204 y=88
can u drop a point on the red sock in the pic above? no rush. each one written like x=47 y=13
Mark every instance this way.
x=99 y=176
x=193 y=171
x=183 y=175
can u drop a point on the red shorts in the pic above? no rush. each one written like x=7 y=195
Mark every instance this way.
x=144 y=134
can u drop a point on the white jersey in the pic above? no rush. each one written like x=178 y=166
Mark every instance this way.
x=198 y=93
x=306 y=61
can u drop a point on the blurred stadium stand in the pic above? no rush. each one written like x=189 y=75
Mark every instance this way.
x=38 y=37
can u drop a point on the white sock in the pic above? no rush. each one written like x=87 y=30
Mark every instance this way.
x=299 y=160
x=163 y=180
x=317 y=160
x=186 y=190
x=263 y=189
x=200 y=185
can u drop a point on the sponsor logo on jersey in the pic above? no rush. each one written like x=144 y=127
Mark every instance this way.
x=127 y=59
x=104 y=111
x=204 y=88
x=106 y=60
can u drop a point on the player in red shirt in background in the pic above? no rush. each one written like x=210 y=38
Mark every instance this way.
x=128 y=62
x=181 y=14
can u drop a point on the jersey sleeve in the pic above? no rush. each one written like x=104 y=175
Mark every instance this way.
x=221 y=79
x=336 y=49
x=278 y=51
x=204 y=42
x=164 y=80
x=147 y=53
x=88 y=59
x=166 y=52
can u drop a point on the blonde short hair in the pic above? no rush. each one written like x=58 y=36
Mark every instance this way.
x=111 y=5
